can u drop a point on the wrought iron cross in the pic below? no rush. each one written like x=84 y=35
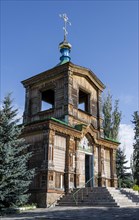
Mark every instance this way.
x=66 y=21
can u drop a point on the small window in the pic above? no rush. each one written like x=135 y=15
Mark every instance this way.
x=48 y=99
x=57 y=180
x=83 y=102
x=51 y=177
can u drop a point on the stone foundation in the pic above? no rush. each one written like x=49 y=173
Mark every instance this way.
x=52 y=197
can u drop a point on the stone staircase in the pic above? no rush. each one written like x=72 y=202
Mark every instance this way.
x=125 y=197
x=100 y=196
x=97 y=196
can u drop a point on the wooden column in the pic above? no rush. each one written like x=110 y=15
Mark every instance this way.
x=50 y=153
x=51 y=145
x=75 y=174
x=66 y=179
x=99 y=167
x=113 y=168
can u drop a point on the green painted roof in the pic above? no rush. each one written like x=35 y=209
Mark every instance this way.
x=57 y=120
x=62 y=62
x=110 y=139
x=65 y=123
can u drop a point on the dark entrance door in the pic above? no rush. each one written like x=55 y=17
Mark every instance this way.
x=89 y=169
x=87 y=173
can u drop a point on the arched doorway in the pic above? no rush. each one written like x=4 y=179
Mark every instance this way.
x=86 y=144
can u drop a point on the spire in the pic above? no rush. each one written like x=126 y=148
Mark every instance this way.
x=64 y=46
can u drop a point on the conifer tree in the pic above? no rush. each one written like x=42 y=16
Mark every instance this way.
x=124 y=177
x=14 y=174
x=135 y=162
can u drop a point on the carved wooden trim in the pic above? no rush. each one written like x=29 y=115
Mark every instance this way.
x=62 y=129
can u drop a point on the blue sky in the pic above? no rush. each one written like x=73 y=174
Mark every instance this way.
x=104 y=38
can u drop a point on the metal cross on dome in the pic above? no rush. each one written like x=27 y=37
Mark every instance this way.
x=66 y=21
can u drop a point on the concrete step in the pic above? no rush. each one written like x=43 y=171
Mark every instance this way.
x=122 y=198
x=130 y=195
x=88 y=200
x=92 y=188
x=99 y=196
x=131 y=190
x=100 y=204
x=96 y=196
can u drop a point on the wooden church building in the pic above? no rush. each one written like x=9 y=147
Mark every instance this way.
x=64 y=127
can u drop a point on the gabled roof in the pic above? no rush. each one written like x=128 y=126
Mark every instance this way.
x=78 y=70
x=88 y=74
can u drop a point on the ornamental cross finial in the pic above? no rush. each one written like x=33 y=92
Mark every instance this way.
x=66 y=21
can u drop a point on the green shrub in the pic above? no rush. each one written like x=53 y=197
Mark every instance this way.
x=136 y=187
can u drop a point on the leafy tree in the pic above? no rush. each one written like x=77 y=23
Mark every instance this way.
x=135 y=162
x=116 y=118
x=111 y=120
x=124 y=177
x=111 y=125
x=107 y=109
x=14 y=174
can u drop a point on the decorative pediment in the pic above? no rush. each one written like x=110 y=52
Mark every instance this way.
x=85 y=145
x=91 y=131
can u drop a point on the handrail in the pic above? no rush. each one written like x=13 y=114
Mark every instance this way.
x=82 y=191
x=56 y=200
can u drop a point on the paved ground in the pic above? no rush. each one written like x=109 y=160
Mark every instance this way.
x=77 y=213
